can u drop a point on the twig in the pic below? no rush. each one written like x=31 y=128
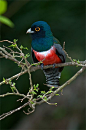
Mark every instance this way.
x=45 y=67
x=65 y=84
x=7 y=41
x=17 y=94
x=12 y=111
x=28 y=68
x=67 y=53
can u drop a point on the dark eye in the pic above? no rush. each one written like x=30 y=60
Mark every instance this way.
x=37 y=29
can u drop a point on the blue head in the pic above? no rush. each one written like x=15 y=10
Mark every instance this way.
x=42 y=38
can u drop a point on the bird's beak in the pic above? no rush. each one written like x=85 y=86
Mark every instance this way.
x=29 y=31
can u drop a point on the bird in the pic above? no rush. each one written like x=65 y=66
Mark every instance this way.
x=46 y=48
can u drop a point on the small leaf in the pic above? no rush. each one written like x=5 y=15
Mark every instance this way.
x=25 y=48
x=34 y=99
x=57 y=94
x=43 y=92
x=15 y=40
x=33 y=92
x=6 y=21
x=9 y=81
x=4 y=79
x=27 y=55
x=78 y=61
x=19 y=65
x=31 y=102
x=21 y=47
x=74 y=60
x=52 y=88
x=40 y=96
x=50 y=91
x=56 y=104
x=37 y=85
x=13 y=84
x=13 y=45
x=12 y=88
x=45 y=98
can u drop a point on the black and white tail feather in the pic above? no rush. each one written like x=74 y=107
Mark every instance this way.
x=53 y=74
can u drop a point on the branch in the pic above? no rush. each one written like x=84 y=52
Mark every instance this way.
x=32 y=68
x=64 y=85
x=12 y=111
x=26 y=67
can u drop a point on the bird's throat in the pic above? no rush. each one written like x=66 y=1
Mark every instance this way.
x=42 y=44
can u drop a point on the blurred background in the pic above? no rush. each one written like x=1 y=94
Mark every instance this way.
x=67 y=22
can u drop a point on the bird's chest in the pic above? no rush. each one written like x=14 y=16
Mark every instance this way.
x=48 y=57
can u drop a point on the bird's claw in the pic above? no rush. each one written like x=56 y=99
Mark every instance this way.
x=42 y=66
x=54 y=65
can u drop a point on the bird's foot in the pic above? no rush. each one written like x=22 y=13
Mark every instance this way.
x=42 y=66
x=54 y=65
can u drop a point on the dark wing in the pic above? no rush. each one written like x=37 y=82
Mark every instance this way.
x=60 y=52
x=33 y=56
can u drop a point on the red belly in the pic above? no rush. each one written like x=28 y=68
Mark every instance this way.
x=48 y=57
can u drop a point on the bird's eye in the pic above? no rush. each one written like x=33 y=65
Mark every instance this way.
x=37 y=29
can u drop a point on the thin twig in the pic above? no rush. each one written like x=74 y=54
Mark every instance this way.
x=12 y=111
x=65 y=84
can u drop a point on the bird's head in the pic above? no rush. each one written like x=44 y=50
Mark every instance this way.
x=42 y=38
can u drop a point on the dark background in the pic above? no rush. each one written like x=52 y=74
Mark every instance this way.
x=67 y=22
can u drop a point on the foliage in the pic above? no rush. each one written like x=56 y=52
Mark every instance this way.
x=3 y=9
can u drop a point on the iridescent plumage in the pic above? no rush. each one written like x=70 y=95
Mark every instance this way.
x=46 y=48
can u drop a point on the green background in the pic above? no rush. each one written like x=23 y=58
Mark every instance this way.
x=67 y=22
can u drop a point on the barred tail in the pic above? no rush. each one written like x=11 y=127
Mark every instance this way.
x=52 y=76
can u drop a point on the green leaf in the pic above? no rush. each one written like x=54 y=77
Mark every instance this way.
x=19 y=65
x=15 y=40
x=50 y=91
x=27 y=55
x=57 y=94
x=36 y=89
x=45 y=98
x=3 y=6
x=6 y=21
x=40 y=96
x=13 y=45
x=78 y=61
x=56 y=104
x=13 y=88
x=52 y=88
x=3 y=79
x=74 y=60
x=42 y=92
x=21 y=47
x=9 y=81
x=37 y=85
x=34 y=99
x=31 y=102
x=33 y=92
x=14 y=84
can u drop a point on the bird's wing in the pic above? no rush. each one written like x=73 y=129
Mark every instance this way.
x=33 y=56
x=60 y=52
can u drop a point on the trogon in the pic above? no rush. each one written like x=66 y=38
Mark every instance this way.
x=46 y=48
